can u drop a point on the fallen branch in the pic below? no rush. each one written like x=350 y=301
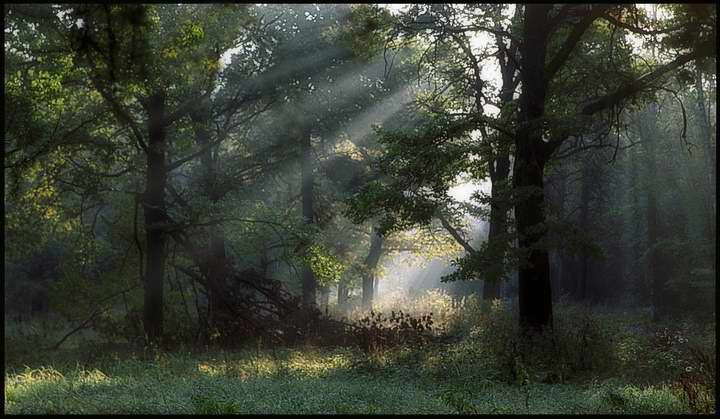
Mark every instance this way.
x=86 y=324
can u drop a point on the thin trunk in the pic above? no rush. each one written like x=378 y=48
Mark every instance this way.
x=708 y=154
x=324 y=299
x=376 y=287
x=309 y=284
x=652 y=139
x=497 y=230
x=264 y=263
x=343 y=295
x=636 y=221
x=216 y=263
x=497 y=240
x=654 y=275
x=562 y=260
x=584 y=226
x=370 y=264
x=154 y=211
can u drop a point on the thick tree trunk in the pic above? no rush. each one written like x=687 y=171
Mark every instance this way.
x=491 y=290
x=371 y=262
x=155 y=220
x=309 y=284
x=534 y=293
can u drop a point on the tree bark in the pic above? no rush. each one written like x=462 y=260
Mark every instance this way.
x=534 y=293
x=371 y=262
x=309 y=284
x=154 y=211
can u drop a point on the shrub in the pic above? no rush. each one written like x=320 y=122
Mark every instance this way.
x=578 y=345
x=207 y=405
x=376 y=331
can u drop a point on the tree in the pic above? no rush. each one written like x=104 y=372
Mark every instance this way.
x=116 y=44
x=533 y=151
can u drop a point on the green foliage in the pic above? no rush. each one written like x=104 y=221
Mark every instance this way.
x=77 y=82
x=367 y=29
x=459 y=401
x=327 y=267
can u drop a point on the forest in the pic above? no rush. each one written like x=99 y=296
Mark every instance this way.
x=360 y=208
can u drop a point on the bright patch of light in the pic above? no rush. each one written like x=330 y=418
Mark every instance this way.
x=464 y=191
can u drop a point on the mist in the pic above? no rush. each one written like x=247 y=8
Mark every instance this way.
x=360 y=208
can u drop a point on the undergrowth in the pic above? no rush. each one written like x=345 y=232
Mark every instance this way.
x=596 y=361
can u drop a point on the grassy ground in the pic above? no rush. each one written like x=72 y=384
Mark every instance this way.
x=307 y=380
x=458 y=377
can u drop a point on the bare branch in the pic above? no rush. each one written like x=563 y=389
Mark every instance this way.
x=456 y=235
x=572 y=40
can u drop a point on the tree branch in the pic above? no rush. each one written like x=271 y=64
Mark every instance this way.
x=571 y=41
x=631 y=88
x=456 y=235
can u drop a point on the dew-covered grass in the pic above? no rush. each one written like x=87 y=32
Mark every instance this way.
x=469 y=374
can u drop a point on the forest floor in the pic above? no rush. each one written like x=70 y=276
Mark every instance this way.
x=464 y=376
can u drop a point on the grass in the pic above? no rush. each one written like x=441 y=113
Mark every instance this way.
x=464 y=376
x=285 y=381
x=307 y=380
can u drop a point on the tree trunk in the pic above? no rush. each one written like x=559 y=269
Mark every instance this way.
x=376 y=287
x=499 y=171
x=636 y=221
x=585 y=227
x=216 y=262
x=324 y=299
x=155 y=220
x=655 y=277
x=534 y=293
x=309 y=284
x=708 y=154
x=491 y=290
x=562 y=260
x=343 y=296
x=497 y=240
x=370 y=264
